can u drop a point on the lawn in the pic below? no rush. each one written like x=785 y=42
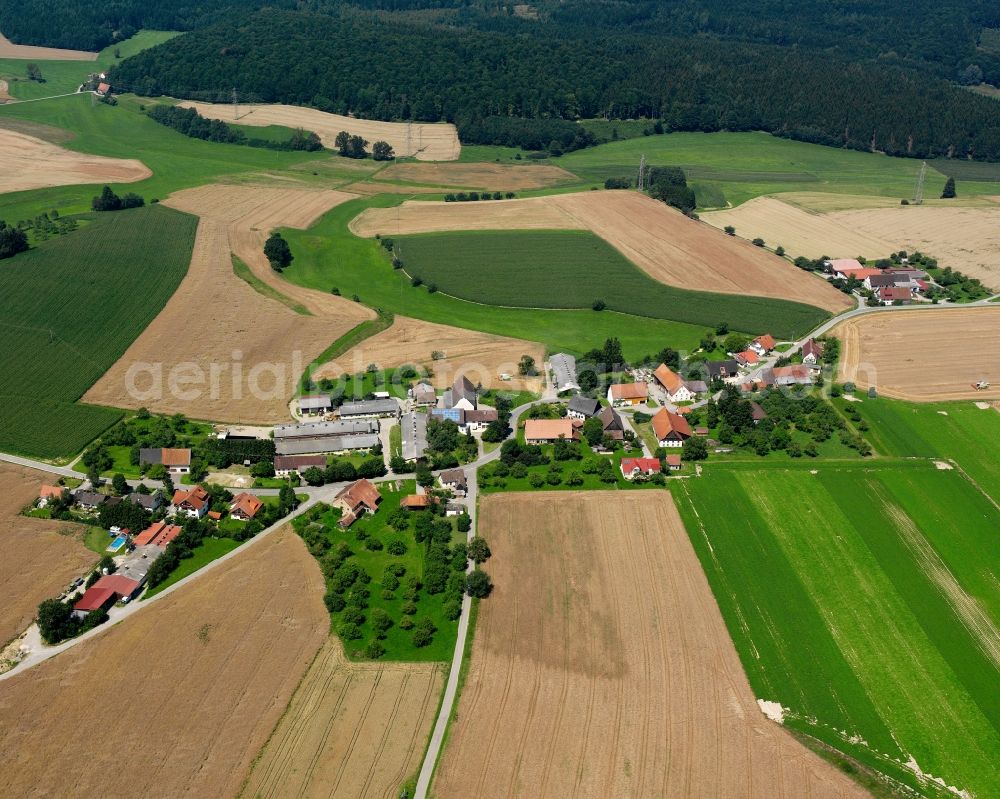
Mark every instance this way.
x=328 y=256
x=860 y=599
x=739 y=166
x=69 y=309
x=571 y=270
x=320 y=530
x=208 y=550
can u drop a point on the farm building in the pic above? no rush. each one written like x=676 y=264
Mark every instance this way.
x=843 y=267
x=417 y=501
x=136 y=566
x=880 y=281
x=455 y=480
x=614 y=428
x=581 y=407
x=194 y=503
x=356 y=499
x=315 y=404
x=245 y=507
x=369 y=409
x=547 y=431
x=413 y=435
x=894 y=294
x=461 y=395
x=673 y=462
x=627 y=393
x=158 y=535
x=747 y=358
x=563 y=371
x=671 y=429
x=757 y=413
x=423 y=394
x=467 y=421
x=762 y=345
x=794 y=375
x=316 y=437
x=727 y=370
x=48 y=493
x=284 y=465
x=633 y=467
x=176 y=461
x=811 y=352
x=94 y=598
x=675 y=387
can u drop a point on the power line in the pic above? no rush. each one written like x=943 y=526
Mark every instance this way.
x=640 y=184
x=918 y=190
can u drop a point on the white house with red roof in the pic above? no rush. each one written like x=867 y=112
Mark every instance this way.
x=194 y=503
x=634 y=467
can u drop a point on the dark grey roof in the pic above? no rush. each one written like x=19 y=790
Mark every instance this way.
x=585 y=405
x=726 y=368
x=885 y=281
x=612 y=421
x=148 y=501
x=336 y=428
x=696 y=386
x=90 y=498
x=315 y=402
x=564 y=372
x=463 y=390
x=456 y=476
x=376 y=407
x=149 y=456
x=303 y=446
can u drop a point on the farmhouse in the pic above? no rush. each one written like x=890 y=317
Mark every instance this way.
x=356 y=499
x=467 y=421
x=245 y=507
x=461 y=395
x=370 y=409
x=894 y=294
x=581 y=407
x=284 y=465
x=47 y=493
x=671 y=429
x=676 y=389
x=614 y=428
x=747 y=358
x=193 y=504
x=673 y=462
x=762 y=345
x=727 y=370
x=177 y=461
x=880 y=281
x=627 y=393
x=546 y=431
x=632 y=467
x=159 y=534
x=796 y=374
x=757 y=413
x=811 y=352
x=148 y=502
x=423 y=395
x=455 y=480
x=315 y=404
x=563 y=370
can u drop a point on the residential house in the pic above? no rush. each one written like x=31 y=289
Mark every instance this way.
x=158 y=535
x=747 y=358
x=673 y=462
x=762 y=345
x=285 y=465
x=467 y=421
x=89 y=500
x=812 y=352
x=194 y=503
x=627 y=394
x=176 y=461
x=633 y=467
x=894 y=294
x=245 y=507
x=356 y=499
x=455 y=480
x=675 y=387
x=757 y=412
x=462 y=395
x=581 y=407
x=727 y=370
x=670 y=429
x=454 y=509
x=369 y=409
x=563 y=371
x=795 y=375
x=614 y=427
x=103 y=89
x=547 y=431
x=423 y=394
x=148 y=502
x=49 y=493
x=315 y=404
x=882 y=280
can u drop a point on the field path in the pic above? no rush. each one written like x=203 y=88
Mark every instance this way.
x=615 y=675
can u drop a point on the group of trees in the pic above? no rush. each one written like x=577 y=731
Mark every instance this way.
x=669 y=184
x=12 y=240
x=350 y=146
x=56 y=621
x=109 y=201
x=475 y=196
x=189 y=122
x=278 y=253
x=342 y=470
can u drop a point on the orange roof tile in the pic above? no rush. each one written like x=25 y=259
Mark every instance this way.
x=246 y=504
x=668 y=378
x=549 y=429
x=625 y=391
x=665 y=423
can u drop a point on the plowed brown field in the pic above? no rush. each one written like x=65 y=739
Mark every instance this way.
x=10 y=50
x=424 y=141
x=602 y=667
x=30 y=163
x=661 y=241
x=216 y=325
x=923 y=356
x=191 y=687
x=352 y=730
x=492 y=177
x=481 y=357
x=38 y=558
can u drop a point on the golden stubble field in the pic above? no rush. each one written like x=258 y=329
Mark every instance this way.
x=482 y=357
x=662 y=242
x=220 y=349
x=602 y=667
x=177 y=699
x=491 y=177
x=10 y=50
x=352 y=730
x=926 y=355
x=424 y=141
x=38 y=558
x=30 y=163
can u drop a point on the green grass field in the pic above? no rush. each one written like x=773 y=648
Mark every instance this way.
x=208 y=550
x=69 y=309
x=861 y=598
x=571 y=269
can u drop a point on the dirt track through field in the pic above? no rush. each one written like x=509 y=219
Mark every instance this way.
x=482 y=357
x=352 y=730
x=38 y=558
x=923 y=356
x=602 y=667
x=30 y=163
x=191 y=687
x=5 y=95
x=964 y=238
x=424 y=141
x=661 y=241
x=10 y=50
x=235 y=354
x=491 y=177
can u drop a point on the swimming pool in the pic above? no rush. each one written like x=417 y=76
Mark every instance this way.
x=117 y=544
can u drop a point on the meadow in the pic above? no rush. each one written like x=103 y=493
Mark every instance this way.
x=567 y=269
x=860 y=598
x=69 y=308
x=208 y=550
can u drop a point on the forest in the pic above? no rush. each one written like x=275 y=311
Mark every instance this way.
x=467 y=77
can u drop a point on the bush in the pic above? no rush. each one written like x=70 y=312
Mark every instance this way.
x=374 y=650
x=349 y=632
x=452 y=609
x=478 y=584
x=396 y=548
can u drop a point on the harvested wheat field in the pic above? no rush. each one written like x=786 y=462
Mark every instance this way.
x=601 y=666
x=38 y=558
x=220 y=350
x=923 y=355
x=195 y=682
x=424 y=141
x=492 y=177
x=30 y=163
x=481 y=357
x=10 y=50
x=664 y=243
x=352 y=730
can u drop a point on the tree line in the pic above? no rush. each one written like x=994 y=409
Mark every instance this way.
x=189 y=122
